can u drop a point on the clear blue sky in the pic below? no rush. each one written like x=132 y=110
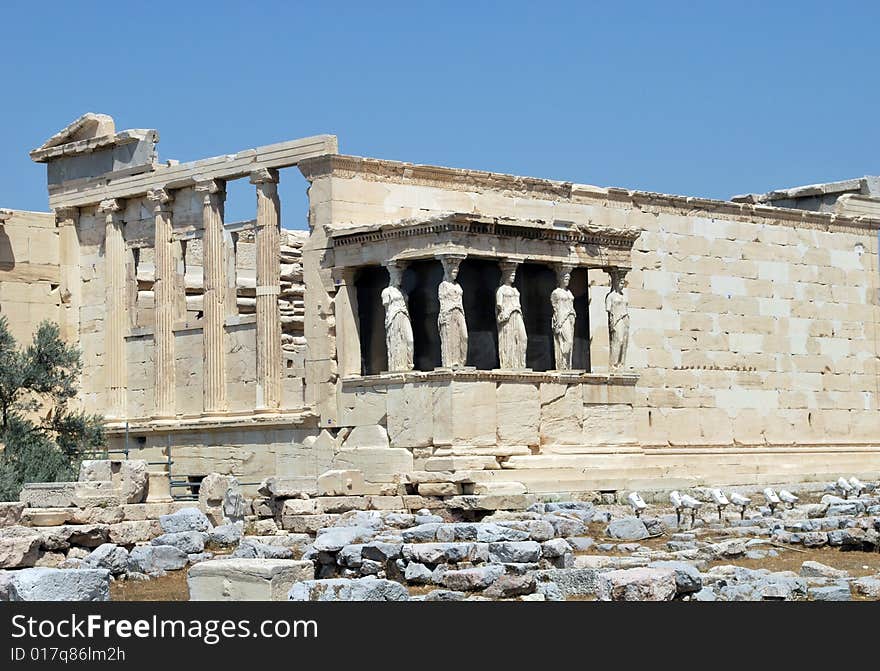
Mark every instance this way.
x=696 y=98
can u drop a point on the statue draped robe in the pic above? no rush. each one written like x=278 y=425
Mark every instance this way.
x=398 y=330
x=452 y=325
x=511 y=328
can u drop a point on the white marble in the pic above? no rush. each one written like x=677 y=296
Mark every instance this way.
x=450 y=320
x=398 y=329
x=511 y=327
x=618 y=318
x=563 y=321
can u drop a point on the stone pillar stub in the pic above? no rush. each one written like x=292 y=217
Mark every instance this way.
x=213 y=192
x=268 y=242
x=117 y=308
x=164 y=291
x=66 y=220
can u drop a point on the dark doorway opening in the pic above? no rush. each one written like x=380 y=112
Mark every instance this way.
x=370 y=281
x=479 y=280
x=421 y=280
x=580 y=287
x=535 y=283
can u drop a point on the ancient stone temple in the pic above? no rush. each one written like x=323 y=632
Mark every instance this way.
x=521 y=334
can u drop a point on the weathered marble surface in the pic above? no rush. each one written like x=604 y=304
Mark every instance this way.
x=512 y=337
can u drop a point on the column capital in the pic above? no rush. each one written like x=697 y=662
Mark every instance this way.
x=508 y=265
x=264 y=176
x=110 y=206
x=66 y=216
x=210 y=188
x=161 y=198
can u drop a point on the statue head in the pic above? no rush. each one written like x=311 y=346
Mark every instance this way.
x=395 y=274
x=618 y=279
x=450 y=267
x=508 y=272
x=564 y=277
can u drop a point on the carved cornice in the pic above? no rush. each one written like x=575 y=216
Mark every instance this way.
x=497 y=375
x=585 y=234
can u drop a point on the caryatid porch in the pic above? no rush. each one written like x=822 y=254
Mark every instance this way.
x=500 y=266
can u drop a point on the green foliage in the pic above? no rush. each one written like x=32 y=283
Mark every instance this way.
x=43 y=439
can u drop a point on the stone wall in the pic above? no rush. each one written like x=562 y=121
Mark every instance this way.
x=30 y=273
x=753 y=329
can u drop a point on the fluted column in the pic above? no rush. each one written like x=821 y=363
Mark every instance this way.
x=268 y=287
x=164 y=293
x=214 y=263
x=66 y=219
x=117 y=308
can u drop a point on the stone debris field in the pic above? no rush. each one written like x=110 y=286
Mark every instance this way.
x=324 y=541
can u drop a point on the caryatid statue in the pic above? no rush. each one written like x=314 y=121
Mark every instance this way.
x=398 y=329
x=562 y=301
x=511 y=327
x=450 y=320
x=618 y=318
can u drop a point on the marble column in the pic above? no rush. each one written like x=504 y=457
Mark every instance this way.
x=164 y=292
x=345 y=310
x=268 y=239
x=512 y=338
x=66 y=219
x=451 y=320
x=117 y=322
x=618 y=318
x=398 y=329
x=564 y=316
x=214 y=269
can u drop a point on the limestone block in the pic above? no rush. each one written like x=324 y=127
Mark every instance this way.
x=48 y=494
x=518 y=410
x=341 y=504
x=608 y=424
x=441 y=393
x=158 y=487
x=129 y=533
x=341 y=483
x=362 y=406
x=385 y=503
x=246 y=579
x=98 y=493
x=474 y=417
x=372 y=435
x=299 y=507
x=637 y=584
x=10 y=513
x=53 y=584
x=377 y=464
x=213 y=488
x=410 y=415
x=561 y=414
x=310 y=458
x=461 y=463
x=491 y=502
x=439 y=489
x=499 y=488
x=307 y=524
x=19 y=547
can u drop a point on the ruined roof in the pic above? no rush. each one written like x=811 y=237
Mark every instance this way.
x=90 y=125
x=867 y=185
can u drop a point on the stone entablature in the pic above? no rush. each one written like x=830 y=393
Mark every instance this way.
x=485 y=237
x=379 y=170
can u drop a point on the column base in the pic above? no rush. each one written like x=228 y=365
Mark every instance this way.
x=267 y=411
